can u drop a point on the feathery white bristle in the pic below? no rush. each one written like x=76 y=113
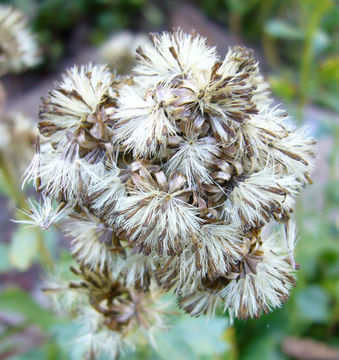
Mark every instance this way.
x=160 y=63
x=295 y=153
x=259 y=196
x=192 y=159
x=264 y=289
x=143 y=123
x=91 y=242
x=210 y=253
x=77 y=96
x=166 y=215
x=289 y=239
x=44 y=214
x=107 y=189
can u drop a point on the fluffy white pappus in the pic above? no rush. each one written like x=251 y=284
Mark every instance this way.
x=211 y=253
x=290 y=240
x=67 y=174
x=95 y=339
x=200 y=302
x=144 y=122
x=76 y=98
x=233 y=93
x=44 y=214
x=32 y=171
x=92 y=242
x=104 y=192
x=64 y=300
x=171 y=55
x=257 y=133
x=239 y=61
x=19 y=49
x=136 y=270
x=218 y=246
x=192 y=158
x=263 y=288
x=258 y=197
x=157 y=220
x=295 y=152
x=142 y=316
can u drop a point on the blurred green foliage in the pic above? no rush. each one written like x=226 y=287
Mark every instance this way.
x=300 y=42
x=90 y=21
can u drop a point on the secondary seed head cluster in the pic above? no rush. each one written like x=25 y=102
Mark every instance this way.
x=18 y=48
x=181 y=176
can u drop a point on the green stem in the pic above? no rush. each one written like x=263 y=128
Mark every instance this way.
x=11 y=183
x=20 y=200
x=306 y=63
x=314 y=16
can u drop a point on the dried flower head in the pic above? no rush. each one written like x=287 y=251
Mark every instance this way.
x=18 y=48
x=113 y=317
x=171 y=176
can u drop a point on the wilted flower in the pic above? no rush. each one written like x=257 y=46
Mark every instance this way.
x=19 y=49
x=172 y=175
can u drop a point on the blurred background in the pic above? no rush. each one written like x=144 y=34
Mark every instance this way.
x=297 y=45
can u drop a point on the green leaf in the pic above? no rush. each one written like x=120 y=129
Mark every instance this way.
x=24 y=247
x=49 y=351
x=263 y=348
x=329 y=69
x=17 y=300
x=314 y=304
x=5 y=264
x=204 y=336
x=4 y=190
x=283 y=87
x=192 y=338
x=282 y=30
x=171 y=343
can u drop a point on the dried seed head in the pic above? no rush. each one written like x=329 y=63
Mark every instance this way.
x=261 y=281
x=155 y=213
x=171 y=55
x=172 y=175
x=76 y=106
x=264 y=282
x=19 y=49
x=108 y=310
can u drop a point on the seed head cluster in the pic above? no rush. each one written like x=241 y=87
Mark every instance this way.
x=18 y=48
x=180 y=177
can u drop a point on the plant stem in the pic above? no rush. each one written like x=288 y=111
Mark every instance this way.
x=314 y=16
